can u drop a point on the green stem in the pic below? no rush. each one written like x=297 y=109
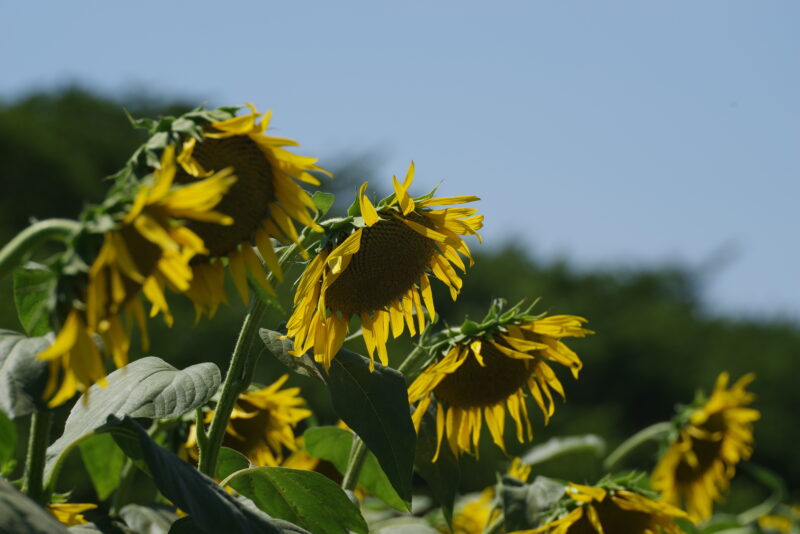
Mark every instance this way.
x=358 y=455
x=32 y=483
x=496 y=527
x=412 y=361
x=12 y=254
x=652 y=432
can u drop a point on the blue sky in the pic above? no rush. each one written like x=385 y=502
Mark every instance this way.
x=610 y=133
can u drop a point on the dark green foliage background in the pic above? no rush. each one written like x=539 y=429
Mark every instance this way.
x=655 y=345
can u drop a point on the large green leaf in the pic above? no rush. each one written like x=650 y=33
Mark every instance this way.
x=303 y=497
x=34 y=296
x=442 y=475
x=211 y=508
x=525 y=504
x=230 y=461
x=147 y=519
x=147 y=388
x=22 y=375
x=374 y=404
x=104 y=461
x=8 y=443
x=20 y=515
x=333 y=444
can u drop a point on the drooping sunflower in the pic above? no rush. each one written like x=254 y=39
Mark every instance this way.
x=486 y=369
x=375 y=264
x=262 y=424
x=70 y=513
x=606 y=510
x=147 y=249
x=712 y=437
x=264 y=203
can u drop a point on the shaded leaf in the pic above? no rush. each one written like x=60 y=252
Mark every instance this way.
x=22 y=375
x=525 y=504
x=212 y=509
x=230 y=461
x=303 y=497
x=375 y=405
x=147 y=519
x=146 y=388
x=34 y=297
x=20 y=515
x=443 y=475
x=103 y=460
x=333 y=444
x=280 y=348
x=323 y=202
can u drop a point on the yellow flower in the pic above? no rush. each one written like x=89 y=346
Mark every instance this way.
x=606 y=511
x=264 y=203
x=698 y=466
x=148 y=249
x=70 y=513
x=262 y=424
x=376 y=268
x=776 y=523
x=486 y=371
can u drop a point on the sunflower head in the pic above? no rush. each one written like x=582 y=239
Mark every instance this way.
x=487 y=367
x=136 y=243
x=710 y=438
x=262 y=425
x=375 y=265
x=610 y=506
x=264 y=203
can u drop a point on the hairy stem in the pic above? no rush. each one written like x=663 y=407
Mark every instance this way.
x=652 y=432
x=358 y=454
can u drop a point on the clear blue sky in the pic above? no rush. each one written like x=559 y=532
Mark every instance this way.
x=609 y=133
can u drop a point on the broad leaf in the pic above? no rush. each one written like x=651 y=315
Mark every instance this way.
x=22 y=375
x=375 y=405
x=212 y=509
x=323 y=202
x=229 y=462
x=525 y=504
x=20 y=515
x=147 y=388
x=103 y=460
x=148 y=520
x=333 y=444
x=442 y=475
x=303 y=497
x=34 y=296
x=280 y=348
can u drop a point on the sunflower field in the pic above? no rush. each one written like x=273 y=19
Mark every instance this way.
x=340 y=385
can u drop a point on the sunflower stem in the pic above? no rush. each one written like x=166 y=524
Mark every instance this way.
x=652 y=432
x=358 y=455
x=32 y=482
x=13 y=253
x=412 y=361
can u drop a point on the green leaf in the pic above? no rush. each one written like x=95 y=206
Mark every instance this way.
x=375 y=405
x=323 y=202
x=304 y=497
x=22 y=375
x=333 y=444
x=20 y=515
x=524 y=505
x=147 y=388
x=555 y=447
x=104 y=461
x=8 y=441
x=147 y=519
x=280 y=348
x=212 y=509
x=443 y=475
x=34 y=296
x=230 y=461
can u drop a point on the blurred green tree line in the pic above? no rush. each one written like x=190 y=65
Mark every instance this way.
x=654 y=345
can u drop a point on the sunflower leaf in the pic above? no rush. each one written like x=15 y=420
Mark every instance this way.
x=558 y=446
x=281 y=348
x=333 y=444
x=230 y=461
x=442 y=475
x=34 y=297
x=307 y=498
x=21 y=515
x=103 y=460
x=375 y=405
x=149 y=519
x=524 y=505
x=211 y=508
x=22 y=375
x=147 y=388
x=323 y=202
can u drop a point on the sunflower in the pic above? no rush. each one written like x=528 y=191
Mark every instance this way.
x=600 y=510
x=713 y=436
x=485 y=371
x=147 y=249
x=264 y=202
x=262 y=424
x=69 y=513
x=374 y=265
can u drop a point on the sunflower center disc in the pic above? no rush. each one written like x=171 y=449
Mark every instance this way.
x=614 y=519
x=247 y=201
x=391 y=258
x=145 y=256
x=472 y=385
